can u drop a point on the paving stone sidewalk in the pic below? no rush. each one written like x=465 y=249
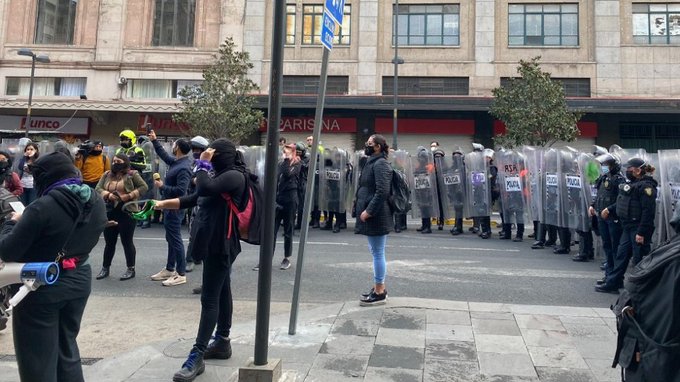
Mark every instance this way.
x=406 y=340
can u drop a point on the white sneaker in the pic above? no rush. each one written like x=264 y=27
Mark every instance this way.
x=164 y=274
x=175 y=280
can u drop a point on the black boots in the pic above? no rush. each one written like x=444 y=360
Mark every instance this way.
x=129 y=274
x=220 y=348
x=104 y=273
x=192 y=368
x=520 y=233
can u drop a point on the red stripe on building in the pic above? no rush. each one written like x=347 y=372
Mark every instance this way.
x=426 y=126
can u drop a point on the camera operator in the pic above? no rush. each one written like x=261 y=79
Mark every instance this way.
x=66 y=219
x=91 y=162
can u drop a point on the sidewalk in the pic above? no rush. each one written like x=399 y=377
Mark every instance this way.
x=406 y=340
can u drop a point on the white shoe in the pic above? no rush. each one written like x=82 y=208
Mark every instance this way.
x=164 y=274
x=175 y=280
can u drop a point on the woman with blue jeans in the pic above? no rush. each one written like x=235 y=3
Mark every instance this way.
x=374 y=217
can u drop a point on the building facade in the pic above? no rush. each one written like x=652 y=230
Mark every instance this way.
x=115 y=63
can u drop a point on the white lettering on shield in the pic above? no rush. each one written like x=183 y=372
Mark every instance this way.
x=332 y=175
x=450 y=179
x=551 y=180
x=422 y=182
x=573 y=181
x=512 y=184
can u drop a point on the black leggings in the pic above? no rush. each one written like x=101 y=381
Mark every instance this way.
x=286 y=215
x=217 y=305
x=126 y=229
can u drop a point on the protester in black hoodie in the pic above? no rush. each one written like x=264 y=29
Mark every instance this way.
x=47 y=321
x=217 y=245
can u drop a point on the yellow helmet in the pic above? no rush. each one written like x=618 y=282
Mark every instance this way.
x=129 y=134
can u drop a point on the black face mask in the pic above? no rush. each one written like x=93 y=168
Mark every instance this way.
x=118 y=167
x=197 y=156
x=630 y=176
x=4 y=165
x=369 y=150
x=95 y=152
x=125 y=144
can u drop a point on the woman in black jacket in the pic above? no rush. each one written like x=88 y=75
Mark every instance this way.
x=216 y=243
x=287 y=200
x=66 y=215
x=374 y=217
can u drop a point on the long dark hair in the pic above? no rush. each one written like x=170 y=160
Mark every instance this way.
x=37 y=151
x=380 y=140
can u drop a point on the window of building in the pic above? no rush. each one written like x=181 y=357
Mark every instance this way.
x=46 y=86
x=543 y=25
x=151 y=88
x=424 y=24
x=310 y=85
x=290 y=24
x=573 y=87
x=427 y=86
x=173 y=23
x=656 y=23
x=651 y=136
x=311 y=25
x=55 y=22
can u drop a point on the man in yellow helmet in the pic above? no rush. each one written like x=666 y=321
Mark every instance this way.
x=128 y=146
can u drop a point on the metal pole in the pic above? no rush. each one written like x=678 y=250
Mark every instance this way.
x=396 y=73
x=264 y=280
x=30 y=96
x=318 y=118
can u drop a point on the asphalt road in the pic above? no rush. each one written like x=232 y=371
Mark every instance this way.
x=337 y=267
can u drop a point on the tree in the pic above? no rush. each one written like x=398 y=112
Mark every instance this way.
x=533 y=108
x=222 y=106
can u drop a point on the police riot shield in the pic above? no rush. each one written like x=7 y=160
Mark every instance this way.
x=333 y=180
x=478 y=191
x=625 y=154
x=358 y=162
x=669 y=174
x=513 y=182
x=589 y=173
x=423 y=185
x=451 y=182
x=401 y=162
x=254 y=157
x=571 y=190
x=533 y=161
x=150 y=157
x=551 y=192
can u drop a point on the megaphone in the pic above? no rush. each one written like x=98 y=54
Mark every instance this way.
x=32 y=275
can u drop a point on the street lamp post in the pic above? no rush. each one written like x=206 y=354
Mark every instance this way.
x=40 y=58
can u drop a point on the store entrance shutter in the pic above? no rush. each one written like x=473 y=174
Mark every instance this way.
x=410 y=142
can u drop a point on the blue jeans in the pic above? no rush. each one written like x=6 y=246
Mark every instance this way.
x=173 y=235
x=376 y=244
x=627 y=247
x=610 y=232
x=29 y=195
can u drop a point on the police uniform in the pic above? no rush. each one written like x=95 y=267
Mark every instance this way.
x=636 y=208
x=610 y=229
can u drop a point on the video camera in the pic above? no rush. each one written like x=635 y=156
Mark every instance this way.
x=85 y=147
x=31 y=275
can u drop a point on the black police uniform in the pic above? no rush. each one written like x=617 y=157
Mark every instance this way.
x=610 y=229
x=636 y=208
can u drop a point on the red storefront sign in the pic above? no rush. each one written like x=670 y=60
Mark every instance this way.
x=306 y=125
x=587 y=129
x=70 y=126
x=426 y=126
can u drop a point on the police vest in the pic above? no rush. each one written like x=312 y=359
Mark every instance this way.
x=628 y=205
x=607 y=190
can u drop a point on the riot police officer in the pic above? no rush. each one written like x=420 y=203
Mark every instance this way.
x=607 y=186
x=636 y=207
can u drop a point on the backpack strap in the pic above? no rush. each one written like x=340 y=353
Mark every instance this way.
x=233 y=208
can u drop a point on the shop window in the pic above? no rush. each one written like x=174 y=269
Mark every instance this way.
x=651 y=136
x=656 y=23
x=46 y=86
x=543 y=25
x=426 y=24
x=427 y=86
x=173 y=23
x=310 y=85
x=573 y=87
x=55 y=23
x=148 y=88
x=311 y=25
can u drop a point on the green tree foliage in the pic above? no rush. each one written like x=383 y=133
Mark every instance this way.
x=223 y=105
x=533 y=109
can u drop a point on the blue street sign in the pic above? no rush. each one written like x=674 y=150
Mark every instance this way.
x=335 y=9
x=327 y=31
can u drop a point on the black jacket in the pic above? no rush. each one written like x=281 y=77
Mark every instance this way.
x=42 y=231
x=636 y=205
x=374 y=190
x=288 y=182
x=212 y=218
x=178 y=177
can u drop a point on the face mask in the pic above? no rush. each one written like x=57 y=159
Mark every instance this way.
x=95 y=152
x=125 y=144
x=4 y=165
x=197 y=156
x=630 y=176
x=368 y=150
x=118 y=167
x=605 y=170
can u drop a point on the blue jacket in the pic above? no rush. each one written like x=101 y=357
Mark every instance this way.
x=178 y=177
